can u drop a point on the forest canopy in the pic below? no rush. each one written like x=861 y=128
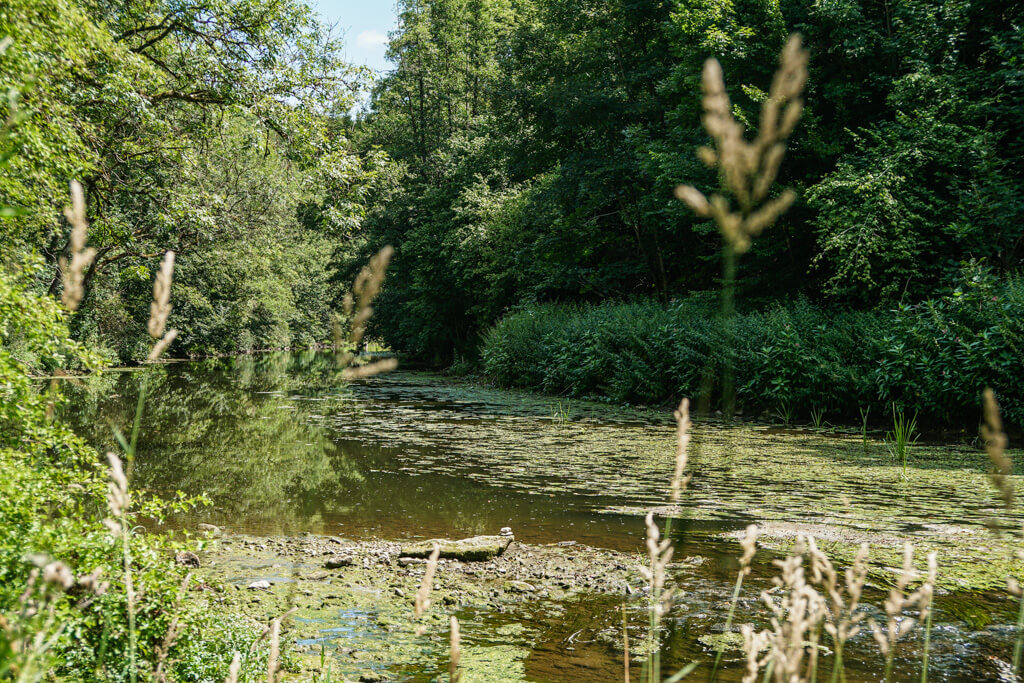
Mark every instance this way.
x=216 y=129
x=540 y=141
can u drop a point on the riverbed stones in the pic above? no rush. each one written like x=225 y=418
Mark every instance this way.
x=519 y=587
x=475 y=549
x=339 y=561
x=186 y=558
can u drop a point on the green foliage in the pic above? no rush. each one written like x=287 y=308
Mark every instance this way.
x=933 y=359
x=542 y=147
x=938 y=356
x=214 y=129
x=52 y=503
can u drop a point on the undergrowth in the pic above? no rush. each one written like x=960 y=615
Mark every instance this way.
x=933 y=358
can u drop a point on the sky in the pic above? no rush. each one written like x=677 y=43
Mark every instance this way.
x=365 y=25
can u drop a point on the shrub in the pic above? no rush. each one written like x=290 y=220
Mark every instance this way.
x=933 y=358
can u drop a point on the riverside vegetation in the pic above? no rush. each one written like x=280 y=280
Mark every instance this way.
x=86 y=596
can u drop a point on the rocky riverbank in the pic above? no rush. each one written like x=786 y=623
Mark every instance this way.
x=353 y=600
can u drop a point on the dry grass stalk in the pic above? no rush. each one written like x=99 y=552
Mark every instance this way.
x=119 y=501
x=275 y=651
x=625 y=645
x=160 y=308
x=897 y=625
x=34 y=630
x=748 y=169
x=173 y=631
x=234 y=669
x=74 y=271
x=427 y=585
x=359 y=309
x=927 y=592
x=842 y=618
x=683 y=424
x=995 y=443
x=456 y=652
x=749 y=545
x=796 y=616
x=660 y=553
x=118 y=498
x=753 y=644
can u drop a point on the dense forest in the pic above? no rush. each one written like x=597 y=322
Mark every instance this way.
x=540 y=142
x=214 y=129
x=520 y=151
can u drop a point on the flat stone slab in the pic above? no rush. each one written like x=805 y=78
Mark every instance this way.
x=476 y=549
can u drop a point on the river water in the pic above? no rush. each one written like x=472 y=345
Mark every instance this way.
x=281 y=447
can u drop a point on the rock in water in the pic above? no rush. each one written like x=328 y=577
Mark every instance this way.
x=259 y=585
x=339 y=561
x=519 y=587
x=187 y=559
x=476 y=549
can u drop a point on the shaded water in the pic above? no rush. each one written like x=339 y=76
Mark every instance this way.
x=281 y=447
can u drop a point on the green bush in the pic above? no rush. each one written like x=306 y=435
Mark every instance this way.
x=933 y=358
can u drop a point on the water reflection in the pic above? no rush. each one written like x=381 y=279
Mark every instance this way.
x=280 y=445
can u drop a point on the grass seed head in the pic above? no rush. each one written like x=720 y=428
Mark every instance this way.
x=683 y=424
x=748 y=169
x=73 y=271
x=456 y=651
x=995 y=444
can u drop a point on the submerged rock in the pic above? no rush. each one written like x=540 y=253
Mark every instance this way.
x=209 y=529
x=519 y=587
x=475 y=549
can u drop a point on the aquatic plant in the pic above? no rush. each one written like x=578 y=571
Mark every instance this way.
x=864 y=412
x=817 y=417
x=902 y=437
x=560 y=412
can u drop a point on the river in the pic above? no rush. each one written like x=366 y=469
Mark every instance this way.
x=281 y=447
